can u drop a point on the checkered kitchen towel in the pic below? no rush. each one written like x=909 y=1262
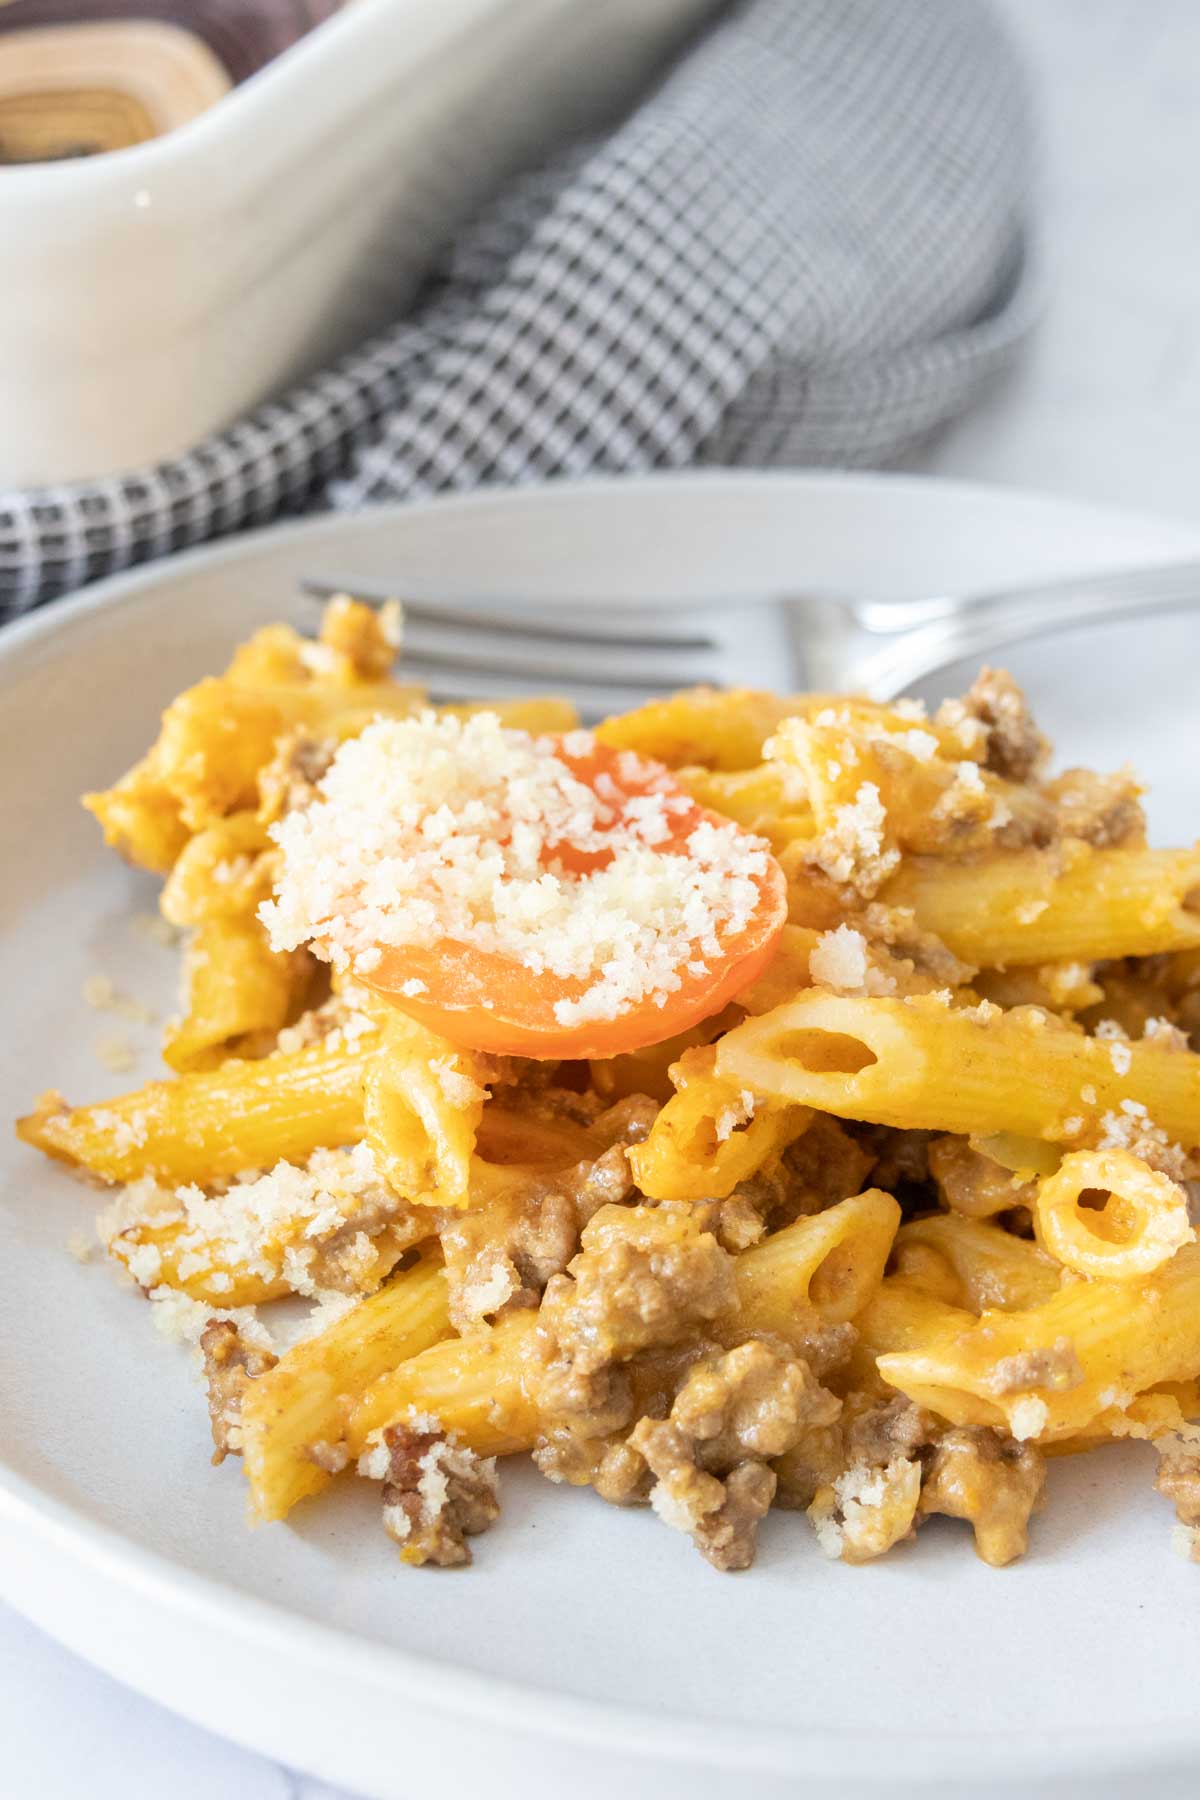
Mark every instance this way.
x=804 y=247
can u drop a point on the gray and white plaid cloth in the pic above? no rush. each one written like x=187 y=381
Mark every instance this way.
x=805 y=247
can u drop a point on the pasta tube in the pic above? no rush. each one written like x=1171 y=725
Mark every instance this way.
x=920 y=1063
x=1071 y=903
x=1141 y=1225
x=710 y=1135
x=224 y=871
x=475 y=1385
x=723 y=729
x=304 y=1402
x=1122 y=1337
x=218 y=1122
x=238 y=990
x=422 y=1103
x=987 y=1266
x=830 y=1263
x=140 y=819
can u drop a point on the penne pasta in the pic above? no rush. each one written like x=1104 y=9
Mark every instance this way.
x=476 y=1386
x=987 y=1266
x=239 y=993
x=225 y=871
x=829 y=1264
x=1121 y=1340
x=720 y=729
x=710 y=1135
x=919 y=1063
x=219 y=1122
x=422 y=1105
x=303 y=1404
x=1142 y=1222
x=1068 y=904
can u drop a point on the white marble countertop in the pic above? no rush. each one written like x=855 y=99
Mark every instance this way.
x=1106 y=406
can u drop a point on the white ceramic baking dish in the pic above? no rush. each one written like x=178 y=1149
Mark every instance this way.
x=151 y=295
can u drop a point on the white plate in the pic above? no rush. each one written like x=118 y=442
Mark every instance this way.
x=588 y=1646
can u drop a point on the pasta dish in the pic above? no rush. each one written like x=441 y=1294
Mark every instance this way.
x=753 y=1101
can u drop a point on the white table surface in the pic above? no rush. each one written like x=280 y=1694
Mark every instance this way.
x=1107 y=406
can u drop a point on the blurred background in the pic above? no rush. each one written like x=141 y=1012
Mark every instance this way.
x=1096 y=393
x=1106 y=401
x=250 y=253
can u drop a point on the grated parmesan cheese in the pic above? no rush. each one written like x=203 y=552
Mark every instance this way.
x=430 y=829
x=732 y=1118
x=182 y=1319
x=1027 y=1417
x=867 y=1509
x=852 y=850
x=839 y=959
x=269 y=1225
x=922 y=745
x=1131 y=1128
x=458 y=1087
x=1164 y=1035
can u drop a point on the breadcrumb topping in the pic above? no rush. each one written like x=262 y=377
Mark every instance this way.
x=264 y=1224
x=852 y=850
x=1131 y=1128
x=430 y=830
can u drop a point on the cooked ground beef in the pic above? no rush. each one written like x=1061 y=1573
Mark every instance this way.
x=1016 y=748
x=500 y=1256
x=984 y=1477
x=436 y=1492
x=1104 y=810
x=888 y=1465
x=972 y=1184
x=1178 y=1475
x=230 y=1365
x=709 y=1456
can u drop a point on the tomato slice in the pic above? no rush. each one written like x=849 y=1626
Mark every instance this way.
x=482 y=1000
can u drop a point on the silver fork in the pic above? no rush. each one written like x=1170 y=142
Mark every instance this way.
x=609 y=655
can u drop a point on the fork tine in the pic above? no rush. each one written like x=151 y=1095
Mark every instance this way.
x=434 y=664
x=509 y=623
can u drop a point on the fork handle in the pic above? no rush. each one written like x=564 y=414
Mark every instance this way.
x=948 y=630
x=1108 y=594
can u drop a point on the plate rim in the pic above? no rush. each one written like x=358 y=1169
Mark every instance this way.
x=651 y=1735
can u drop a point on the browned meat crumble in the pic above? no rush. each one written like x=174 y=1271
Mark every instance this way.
x=1103 y=810
x=230 y=1365
x=1016 y=749
x=436 y=1492
x=709 y=1456
x=888 y=1465
x=500 y=1256
x=1178 y=1480
x=984 y=1477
